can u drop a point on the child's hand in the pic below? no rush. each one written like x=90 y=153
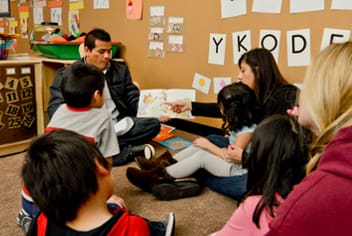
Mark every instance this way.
x=117 y=200
x=202 y=143
x=233 y=154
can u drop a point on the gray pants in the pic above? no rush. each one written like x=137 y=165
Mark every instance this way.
x=193 y=158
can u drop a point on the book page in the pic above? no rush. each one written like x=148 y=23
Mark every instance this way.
x=152 y=102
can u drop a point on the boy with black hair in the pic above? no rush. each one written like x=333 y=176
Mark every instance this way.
x=70 y=182
x=82 y=87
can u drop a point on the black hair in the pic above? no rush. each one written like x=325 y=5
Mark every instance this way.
x=266 y=72
x=79 y=83
x=276 y=161
x=96 y=34
x=59 y=172
x=239 y=106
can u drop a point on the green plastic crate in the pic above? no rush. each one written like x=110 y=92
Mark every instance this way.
x=65 y=51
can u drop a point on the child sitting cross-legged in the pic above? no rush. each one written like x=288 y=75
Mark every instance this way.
x=70 y=182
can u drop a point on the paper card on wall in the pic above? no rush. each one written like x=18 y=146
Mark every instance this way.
x=241 y=43
x=175 y=25
x=201 y=83
x=157 y=15
x=38 y=16
x=156 y=49
x=54 y=3
x=175 y=43
x=39 y=3
x=230 y=8
x=157 y=11
x=75 y=4
x=101 y=4
x=298 y=47
x=23 y=11
x=73 y=21
x=270 y=39
x=24 y=27
x=334 y=36
x=267 y=6
x=306 y=6
x=341 y=4
x=56 y=15
x=134 y=9
x=220 y=82
x=217 y=46
x=156 y=34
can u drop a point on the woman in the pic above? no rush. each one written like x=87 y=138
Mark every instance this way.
x=275 y=95
x=260 y=72
x=320 y=204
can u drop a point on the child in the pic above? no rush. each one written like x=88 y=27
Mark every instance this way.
x=70 y=182
x=239 y=107
x=82 y=87
x=275 y=164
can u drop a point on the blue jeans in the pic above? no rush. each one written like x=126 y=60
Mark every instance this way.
x=233 y=186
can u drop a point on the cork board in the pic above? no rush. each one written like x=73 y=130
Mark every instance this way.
x=201 y=18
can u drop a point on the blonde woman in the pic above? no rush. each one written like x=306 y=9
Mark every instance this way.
x=321 y=204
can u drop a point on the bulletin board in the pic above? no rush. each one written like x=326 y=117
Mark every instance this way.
x=201 y=18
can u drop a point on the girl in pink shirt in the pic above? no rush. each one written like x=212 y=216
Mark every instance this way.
x=275 y=164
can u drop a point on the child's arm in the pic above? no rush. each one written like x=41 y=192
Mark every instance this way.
x=209 y=146
x=233 y=152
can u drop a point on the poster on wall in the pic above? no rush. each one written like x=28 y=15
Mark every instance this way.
x=5 y=8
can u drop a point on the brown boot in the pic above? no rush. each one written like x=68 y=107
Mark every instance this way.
x=146 y=179
x=164 y=160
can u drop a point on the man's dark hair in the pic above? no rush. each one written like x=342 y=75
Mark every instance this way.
x=59 y=172
x=96 y=34
x=79 y=82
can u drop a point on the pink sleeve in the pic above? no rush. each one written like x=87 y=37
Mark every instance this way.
x=241 y=222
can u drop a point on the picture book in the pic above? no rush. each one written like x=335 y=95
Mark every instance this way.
x=176 y=143
x=153 y=102
x=165 y=133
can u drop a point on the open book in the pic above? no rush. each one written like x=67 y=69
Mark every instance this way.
x=152 y=102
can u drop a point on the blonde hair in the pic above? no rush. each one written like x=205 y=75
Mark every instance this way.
x=327 y=96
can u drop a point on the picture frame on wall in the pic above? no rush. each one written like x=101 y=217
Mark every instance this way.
x=5 y=10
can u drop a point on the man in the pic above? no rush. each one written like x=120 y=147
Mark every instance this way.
x=121 y=98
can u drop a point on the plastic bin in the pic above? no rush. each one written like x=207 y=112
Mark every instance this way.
x=65 y=51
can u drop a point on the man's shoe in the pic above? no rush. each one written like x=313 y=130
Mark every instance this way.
x=176 y=190
x=169 y=223
x=146 y=150
x=24 y=220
